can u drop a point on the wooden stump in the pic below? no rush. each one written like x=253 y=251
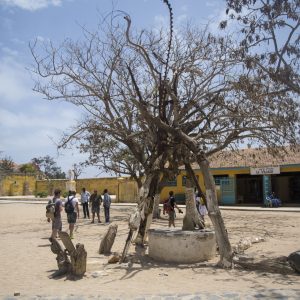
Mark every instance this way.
x=63 y=262
x=72 y=260
x=108 y=239
x=78 y=260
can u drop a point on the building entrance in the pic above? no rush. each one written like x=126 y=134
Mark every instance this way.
x=249 y=189
x=286 y=187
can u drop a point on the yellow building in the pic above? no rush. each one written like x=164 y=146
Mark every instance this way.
x=245 y=177
x=248 y=176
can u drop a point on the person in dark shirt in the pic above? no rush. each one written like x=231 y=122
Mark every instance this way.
x=171 y=211
x=95 y=201
x=56 y=223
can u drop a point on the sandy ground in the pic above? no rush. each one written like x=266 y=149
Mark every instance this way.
x=26 y=260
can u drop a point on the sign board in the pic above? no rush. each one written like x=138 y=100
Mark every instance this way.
x=265 y=171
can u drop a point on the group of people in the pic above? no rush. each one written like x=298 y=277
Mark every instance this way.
x=170 y=205
x=94 y=201
x=71 y=207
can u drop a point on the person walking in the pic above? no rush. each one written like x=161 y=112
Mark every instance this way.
x=85 y=197
x=56 y=222
x=72 y=210
x=95 y=202
x=106 y=205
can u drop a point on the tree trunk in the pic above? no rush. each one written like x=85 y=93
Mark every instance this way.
x=192 y=217
x=147 y=193
x=215 y=214
x=146 y=213
x=108 y=240
x=156 y=209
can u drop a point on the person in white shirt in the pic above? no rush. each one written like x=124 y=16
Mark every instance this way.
x=85 y=197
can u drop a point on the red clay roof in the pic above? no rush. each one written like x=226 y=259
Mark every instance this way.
x=254 y=158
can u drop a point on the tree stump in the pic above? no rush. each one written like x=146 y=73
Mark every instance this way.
x=78 y=260
x=63 y=262
x=72 y=260
x=108 y=240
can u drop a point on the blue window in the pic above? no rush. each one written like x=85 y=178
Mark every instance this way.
x=218 y=178
x=170 y=182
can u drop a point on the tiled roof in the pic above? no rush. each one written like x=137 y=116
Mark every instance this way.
x=254 y=158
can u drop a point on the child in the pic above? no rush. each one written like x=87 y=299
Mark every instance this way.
x=202 y=209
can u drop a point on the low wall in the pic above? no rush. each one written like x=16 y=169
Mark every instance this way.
x=17 y=184
x=178 y=246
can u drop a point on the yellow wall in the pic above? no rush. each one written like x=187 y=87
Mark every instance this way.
x=124 y=188
x=48 y=186
x=14 y=185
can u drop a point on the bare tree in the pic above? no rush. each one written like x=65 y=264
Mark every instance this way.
x=77 y=170
x=110 y=155
x=270 y=38
x=212 y=104
x=167 y=99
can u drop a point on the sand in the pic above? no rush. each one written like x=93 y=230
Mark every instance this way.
x=26 y=260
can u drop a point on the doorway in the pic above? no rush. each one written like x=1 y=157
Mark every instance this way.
x=249 y=189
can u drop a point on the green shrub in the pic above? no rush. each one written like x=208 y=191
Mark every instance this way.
x=41 y=194
x=65 y=194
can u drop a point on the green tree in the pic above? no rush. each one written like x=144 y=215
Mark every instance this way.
x=48 y=167
x=28 y=168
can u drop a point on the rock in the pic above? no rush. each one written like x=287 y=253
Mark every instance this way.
x=257 y=240
x=294 y=261
x=246 y=243
x=99 y=273
x=17 y=293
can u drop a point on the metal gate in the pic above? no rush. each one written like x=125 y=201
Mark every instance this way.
x=227 y=188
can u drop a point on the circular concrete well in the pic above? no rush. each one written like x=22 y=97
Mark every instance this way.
x=176 y=245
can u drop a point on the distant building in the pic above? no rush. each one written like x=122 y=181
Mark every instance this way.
x=247 y=176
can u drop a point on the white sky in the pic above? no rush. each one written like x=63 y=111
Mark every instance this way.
x=30 y=125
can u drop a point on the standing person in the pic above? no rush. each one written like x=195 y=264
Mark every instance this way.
x=72 y=210
x=106 y=205
x=197 y=200
x=202 y=209
x=95 y=201
x=85 y=197
x=56 y=223
x=171 y=204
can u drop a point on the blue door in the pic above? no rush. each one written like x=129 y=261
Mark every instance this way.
x=267 y=187
x=227 y=189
